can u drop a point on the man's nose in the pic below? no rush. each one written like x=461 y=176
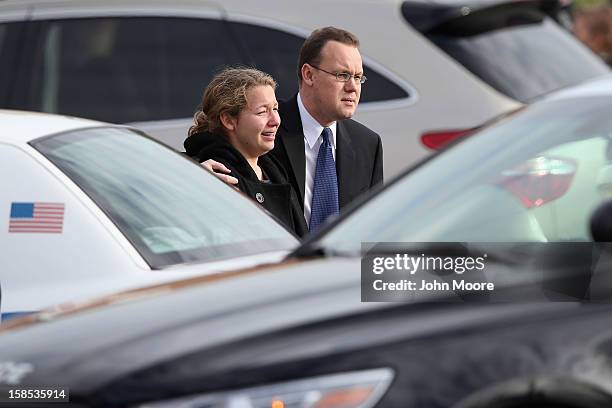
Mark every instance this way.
x=352 y=84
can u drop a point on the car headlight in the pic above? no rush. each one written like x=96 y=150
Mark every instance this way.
x=356 y=389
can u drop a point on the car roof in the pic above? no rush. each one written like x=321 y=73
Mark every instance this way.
x=22 y=3
x=601 y=86
x=19 y=127
x=467 y=3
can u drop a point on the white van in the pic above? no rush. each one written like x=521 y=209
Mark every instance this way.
x=435 y=69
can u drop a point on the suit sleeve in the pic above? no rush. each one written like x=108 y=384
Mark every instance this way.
x=377 y=173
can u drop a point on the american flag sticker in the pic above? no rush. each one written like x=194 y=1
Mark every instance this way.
x=37 y=217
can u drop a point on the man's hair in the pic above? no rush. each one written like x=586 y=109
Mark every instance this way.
x=227 y=93
x=311 y=49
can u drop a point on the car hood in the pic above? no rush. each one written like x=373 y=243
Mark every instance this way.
x=95 y=342
x=81 y=291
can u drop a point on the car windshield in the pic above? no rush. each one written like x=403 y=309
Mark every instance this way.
x=523 y=60
x=171 y=209
x=533 y=177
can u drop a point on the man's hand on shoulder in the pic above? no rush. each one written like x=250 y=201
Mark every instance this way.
x=220 y=171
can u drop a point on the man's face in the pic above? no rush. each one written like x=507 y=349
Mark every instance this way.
x=335 y=100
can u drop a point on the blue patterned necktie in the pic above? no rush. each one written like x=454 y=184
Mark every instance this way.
x=325 y=187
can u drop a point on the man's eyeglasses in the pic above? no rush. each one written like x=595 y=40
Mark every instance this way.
x=343 y=76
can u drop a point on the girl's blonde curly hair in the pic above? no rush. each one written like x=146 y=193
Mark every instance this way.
x=227 y=93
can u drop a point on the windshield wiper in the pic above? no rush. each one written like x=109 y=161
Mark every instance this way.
x=440 y=249
x=316 y=250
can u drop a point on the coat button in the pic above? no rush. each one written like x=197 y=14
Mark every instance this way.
x=259 y=197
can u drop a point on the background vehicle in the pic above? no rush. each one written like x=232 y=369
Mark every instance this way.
x=435 y=69
x=90 y=209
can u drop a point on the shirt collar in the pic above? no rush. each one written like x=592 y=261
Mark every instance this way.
x=311 y=128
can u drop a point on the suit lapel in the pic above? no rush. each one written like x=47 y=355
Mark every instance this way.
x=293 y=141
x=345 y=159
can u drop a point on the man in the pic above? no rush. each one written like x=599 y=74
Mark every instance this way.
x=330 y=73
x=330 y=158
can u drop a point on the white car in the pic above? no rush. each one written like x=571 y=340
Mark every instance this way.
x=434 y=68
x=88 y=208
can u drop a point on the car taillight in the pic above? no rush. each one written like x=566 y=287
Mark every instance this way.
x=439 y=139
x=539 y=180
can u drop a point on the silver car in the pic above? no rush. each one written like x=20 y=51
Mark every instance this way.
x=89 y=209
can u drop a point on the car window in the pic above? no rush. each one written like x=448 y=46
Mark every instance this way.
x=122 y=69
x=513 y=48
x=536 y=177
x=11 y=41
x=276 y=52
x=171 y=209
x=4 y=65
x=132 y=69
x=272 y=51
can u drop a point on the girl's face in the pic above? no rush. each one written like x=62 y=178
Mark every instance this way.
x=254 y=129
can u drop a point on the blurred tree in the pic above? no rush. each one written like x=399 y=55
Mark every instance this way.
x=580 y=4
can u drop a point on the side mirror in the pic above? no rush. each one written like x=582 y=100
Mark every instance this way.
x=601 y=222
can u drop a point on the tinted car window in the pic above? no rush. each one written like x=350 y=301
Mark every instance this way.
x=277 y=52
x=11 y=40
x=379 y=89
x=536 y=176
x=272 y=51
x=4 y=65
x=166 y=205
x=147 y=68
x=122 y=69
x=514 y=48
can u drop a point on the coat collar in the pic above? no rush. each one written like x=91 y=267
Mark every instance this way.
x=311 y=128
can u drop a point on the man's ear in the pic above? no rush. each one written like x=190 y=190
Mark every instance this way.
x=307 y=72
x=228 y=121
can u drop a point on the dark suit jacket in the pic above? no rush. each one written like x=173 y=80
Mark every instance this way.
x=359 y=162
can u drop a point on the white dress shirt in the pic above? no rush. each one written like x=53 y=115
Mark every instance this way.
x=312 y=141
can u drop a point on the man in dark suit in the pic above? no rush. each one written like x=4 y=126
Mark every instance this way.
x=330 y=158
x=330 y=73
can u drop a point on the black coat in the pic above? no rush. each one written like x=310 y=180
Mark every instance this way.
x=276 y=196
x=359 y=161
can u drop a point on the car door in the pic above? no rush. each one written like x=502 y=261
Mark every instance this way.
x=55 y=243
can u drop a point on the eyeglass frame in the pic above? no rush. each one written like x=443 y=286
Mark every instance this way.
x=347 y=75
